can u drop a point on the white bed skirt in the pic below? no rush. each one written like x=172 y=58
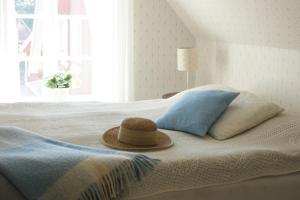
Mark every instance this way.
x=274 y=188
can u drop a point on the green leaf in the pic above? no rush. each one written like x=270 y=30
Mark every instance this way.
x=59 y=80
x=68 y=77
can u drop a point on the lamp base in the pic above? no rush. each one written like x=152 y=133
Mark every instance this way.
x=187 y=80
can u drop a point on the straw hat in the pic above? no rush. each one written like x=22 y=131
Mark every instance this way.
x=136 y=134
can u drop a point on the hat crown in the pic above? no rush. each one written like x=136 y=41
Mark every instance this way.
x=138 y=131
x=139 y=124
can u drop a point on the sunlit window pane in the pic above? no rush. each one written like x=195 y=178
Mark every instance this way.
x=30 y=81
x=24 y=28
x=68 y=37
x=74 y=38
x=82 y=75
x=25 y=6
x=71 y=7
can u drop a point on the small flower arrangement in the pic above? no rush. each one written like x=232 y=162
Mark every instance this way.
x=59 y=80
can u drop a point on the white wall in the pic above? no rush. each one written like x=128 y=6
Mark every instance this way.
x=206 y=72
x=158 y=32
x=251 y=44
x=272 y=73
x=274 y=23
x=253 y=64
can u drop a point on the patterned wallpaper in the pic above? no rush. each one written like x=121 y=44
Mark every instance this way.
x=272 y=73
x=251 y=44
x=157 y=34
x=205 y=73
x=274 y=23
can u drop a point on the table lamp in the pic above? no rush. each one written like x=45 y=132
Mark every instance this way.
x=186 y=61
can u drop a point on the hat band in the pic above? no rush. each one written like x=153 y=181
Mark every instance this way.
x=137 y=137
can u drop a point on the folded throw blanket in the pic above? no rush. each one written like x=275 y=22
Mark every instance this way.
x=42 y=168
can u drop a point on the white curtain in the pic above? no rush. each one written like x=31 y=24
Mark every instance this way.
x=9 y=69
x=111 y=44
x=45 y=38
x=111 y=33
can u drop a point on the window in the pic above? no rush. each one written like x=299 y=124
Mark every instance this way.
x=41 y=32
x=88 y=38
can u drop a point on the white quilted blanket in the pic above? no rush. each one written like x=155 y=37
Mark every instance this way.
x=272 y=148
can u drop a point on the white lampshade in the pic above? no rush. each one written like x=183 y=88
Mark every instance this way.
x=186 y=59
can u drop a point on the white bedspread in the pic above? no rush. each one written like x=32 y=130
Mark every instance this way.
x=272 y=148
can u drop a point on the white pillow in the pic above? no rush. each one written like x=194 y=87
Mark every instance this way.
x=245 y=112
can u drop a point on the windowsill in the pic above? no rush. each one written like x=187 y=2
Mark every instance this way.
x=80 y=98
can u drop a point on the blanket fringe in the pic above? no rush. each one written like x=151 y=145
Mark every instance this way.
x=115 y=184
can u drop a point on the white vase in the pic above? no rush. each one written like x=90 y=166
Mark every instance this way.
x=60 y=94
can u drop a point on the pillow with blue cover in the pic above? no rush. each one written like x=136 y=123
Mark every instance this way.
x=196 y=111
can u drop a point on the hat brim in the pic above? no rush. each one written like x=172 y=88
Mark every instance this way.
x=110 y=139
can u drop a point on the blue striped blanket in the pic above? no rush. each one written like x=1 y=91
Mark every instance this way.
x=42 y=168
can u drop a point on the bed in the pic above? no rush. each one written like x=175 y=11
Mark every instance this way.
x=263 y=163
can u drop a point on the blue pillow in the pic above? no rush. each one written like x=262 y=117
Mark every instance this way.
x=196 y=111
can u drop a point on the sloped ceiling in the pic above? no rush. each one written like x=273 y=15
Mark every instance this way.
x=274 y=23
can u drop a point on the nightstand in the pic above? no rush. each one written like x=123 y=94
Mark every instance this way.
x=168 y=95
